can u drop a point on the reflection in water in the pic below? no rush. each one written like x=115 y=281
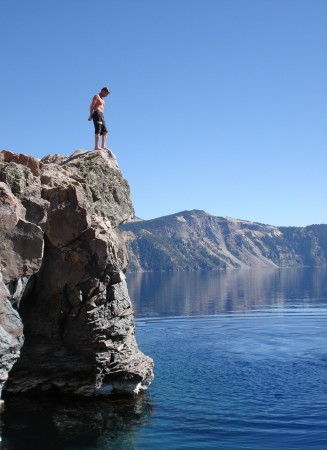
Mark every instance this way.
x=32 y=424
x=202 y=293
x=247 y=385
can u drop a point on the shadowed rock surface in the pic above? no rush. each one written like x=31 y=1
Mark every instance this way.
x=196 y=240
x=62 y=264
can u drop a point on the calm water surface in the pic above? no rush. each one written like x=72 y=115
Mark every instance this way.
x=240 y=363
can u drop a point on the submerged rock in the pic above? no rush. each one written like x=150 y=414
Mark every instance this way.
x=62 y=264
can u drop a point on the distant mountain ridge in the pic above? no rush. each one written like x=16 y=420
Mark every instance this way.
x=196 y=240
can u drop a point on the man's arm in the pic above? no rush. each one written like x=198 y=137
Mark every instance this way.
x=92 y=106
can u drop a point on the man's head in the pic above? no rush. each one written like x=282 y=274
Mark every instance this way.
x=104 y=91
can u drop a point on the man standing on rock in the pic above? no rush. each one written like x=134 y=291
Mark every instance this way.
x=96 y=113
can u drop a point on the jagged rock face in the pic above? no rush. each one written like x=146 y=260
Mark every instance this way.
x=11 y=335
x=62 y=263
x=196 y=240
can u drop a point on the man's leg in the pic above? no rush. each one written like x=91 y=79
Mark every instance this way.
x=104 y=140
x=96 y=142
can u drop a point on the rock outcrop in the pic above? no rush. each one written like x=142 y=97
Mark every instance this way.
x=66 y=319
x=196 y=240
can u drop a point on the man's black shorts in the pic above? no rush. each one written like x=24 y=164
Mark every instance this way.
x=99 y=123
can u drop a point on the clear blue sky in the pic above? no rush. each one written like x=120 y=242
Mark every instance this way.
x=218 y=105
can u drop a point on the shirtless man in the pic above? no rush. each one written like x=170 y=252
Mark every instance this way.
x=96 y=113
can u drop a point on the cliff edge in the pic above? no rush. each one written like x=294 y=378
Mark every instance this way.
x=66 y=319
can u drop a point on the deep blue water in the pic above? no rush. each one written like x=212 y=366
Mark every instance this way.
x=240 y=363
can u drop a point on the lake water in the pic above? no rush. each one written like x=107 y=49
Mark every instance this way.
x=240 y=363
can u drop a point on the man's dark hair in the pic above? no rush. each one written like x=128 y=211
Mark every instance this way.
x=105 y=89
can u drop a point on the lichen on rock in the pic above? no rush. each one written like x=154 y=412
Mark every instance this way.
x=62 y=264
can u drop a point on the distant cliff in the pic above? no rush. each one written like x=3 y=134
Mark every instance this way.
x=66 y=320
x=196 y=240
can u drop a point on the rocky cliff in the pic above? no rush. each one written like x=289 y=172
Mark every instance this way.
x=66 y=319
x=196 y=240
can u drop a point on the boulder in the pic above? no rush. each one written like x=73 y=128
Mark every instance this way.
x=62 y=264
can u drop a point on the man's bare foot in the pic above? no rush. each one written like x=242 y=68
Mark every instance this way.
x=97 y=148
x=105 y=148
